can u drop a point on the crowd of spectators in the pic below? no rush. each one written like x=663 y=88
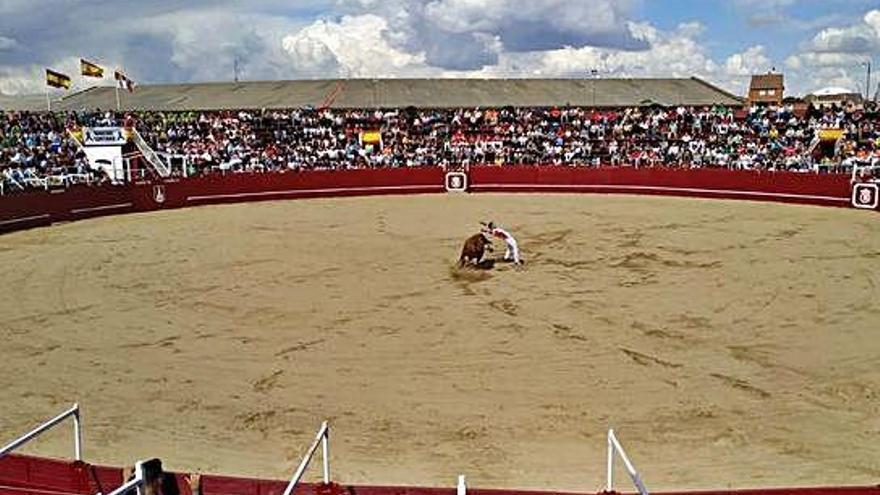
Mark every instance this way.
x=36 y=151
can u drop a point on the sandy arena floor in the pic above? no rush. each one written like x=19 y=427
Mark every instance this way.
x=729 y=343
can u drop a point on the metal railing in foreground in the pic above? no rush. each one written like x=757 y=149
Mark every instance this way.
x=323 y=438
x=27 y=437
x=135 y=483
x=615 y=447
x=461 y=488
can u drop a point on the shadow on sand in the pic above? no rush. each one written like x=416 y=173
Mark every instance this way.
x=484 y=265
x=472 y=273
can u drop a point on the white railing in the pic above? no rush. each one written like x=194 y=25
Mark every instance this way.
x=135 y=483
x=36 y=182
x=461 y=489
x=77 y=433
x=323 y=438
x=55 y=180
x=181 y=162
x=615 y=447
x=858 y=168
x=67 y=180
x=150 y=155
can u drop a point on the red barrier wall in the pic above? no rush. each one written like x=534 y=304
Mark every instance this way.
x=253 y=187
x=25 y=475
x=826 y=189
x=34 y=209
x=43 y=208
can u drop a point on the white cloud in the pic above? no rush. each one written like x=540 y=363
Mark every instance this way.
x=19 y=80
x=821 y=59
x=853 y=39
x=32 y=78
x=691 y=29
x=835 y=55
x=353 y=47
x=7 y=44
x=863 y=37
x=198 y=40
x=400 y=38
x=463 y=34
x=669 y=54
x=752 y=61
x=764 y=12
x=834 y=77
x=204 y=45
x=363 y=46
x=493 y=16
x=872 y=19
x=156 y=41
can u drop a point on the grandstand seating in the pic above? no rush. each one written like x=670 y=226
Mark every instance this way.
x=35 y=151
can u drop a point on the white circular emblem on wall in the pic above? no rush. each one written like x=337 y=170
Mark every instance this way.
x=866 y=196
x=456 y=182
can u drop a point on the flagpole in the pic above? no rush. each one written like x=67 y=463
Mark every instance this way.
x=48 y=102
x=118 y=105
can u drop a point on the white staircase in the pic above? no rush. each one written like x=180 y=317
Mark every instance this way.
x=159 y=166
x=815 y=142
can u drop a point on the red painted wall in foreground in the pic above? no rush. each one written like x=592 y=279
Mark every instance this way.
x=24 y=475
x=43 y=208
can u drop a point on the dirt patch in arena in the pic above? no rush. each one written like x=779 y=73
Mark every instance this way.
x=729 y=343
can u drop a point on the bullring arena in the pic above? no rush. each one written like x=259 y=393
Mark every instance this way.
x=729 y=343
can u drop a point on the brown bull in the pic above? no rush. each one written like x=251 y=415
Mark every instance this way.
x=474 y=248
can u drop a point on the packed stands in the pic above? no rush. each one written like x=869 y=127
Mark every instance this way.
x=36 y=150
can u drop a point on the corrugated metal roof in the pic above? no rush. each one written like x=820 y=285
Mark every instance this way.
x=400 y=93
x=30 y=102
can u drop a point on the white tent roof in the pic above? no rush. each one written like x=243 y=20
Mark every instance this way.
x=832 y=91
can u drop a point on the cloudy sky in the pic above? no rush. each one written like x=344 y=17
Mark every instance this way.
x=817 y=43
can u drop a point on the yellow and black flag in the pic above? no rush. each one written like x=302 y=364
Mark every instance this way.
x=90 y=69
x=57 y=79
